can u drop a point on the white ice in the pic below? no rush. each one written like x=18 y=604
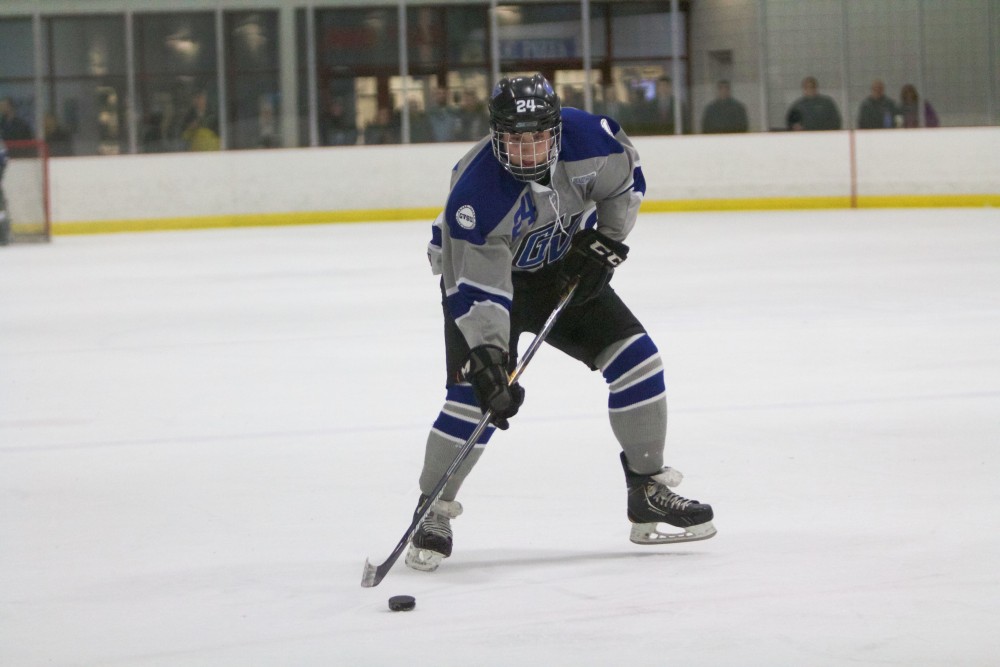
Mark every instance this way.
x=204 y=434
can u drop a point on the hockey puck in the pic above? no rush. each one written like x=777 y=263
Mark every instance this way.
x=402 y=602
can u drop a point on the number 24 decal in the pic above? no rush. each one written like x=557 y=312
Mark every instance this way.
x=525 y=105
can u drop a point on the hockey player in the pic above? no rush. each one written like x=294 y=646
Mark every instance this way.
x=551 y=194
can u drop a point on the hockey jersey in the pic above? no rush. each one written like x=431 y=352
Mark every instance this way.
x=494 y=225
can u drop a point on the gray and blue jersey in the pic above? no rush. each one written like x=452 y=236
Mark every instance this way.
x=494 y=225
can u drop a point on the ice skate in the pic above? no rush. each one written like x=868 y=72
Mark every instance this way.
x=651 y=503
x=432 y=541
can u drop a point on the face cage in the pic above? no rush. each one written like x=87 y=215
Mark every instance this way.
x=533 y=172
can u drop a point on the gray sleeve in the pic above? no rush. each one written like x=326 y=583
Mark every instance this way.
x=478 y=286
x=615 y=194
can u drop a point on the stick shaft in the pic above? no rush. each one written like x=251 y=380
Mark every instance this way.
x=373 y=575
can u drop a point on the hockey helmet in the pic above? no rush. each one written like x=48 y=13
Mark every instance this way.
x=525 y=126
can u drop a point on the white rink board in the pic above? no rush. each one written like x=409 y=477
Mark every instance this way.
x=24 y=190
x=709 y=168
x=944 y=161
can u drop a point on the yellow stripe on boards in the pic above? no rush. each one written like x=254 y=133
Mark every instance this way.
x=246 y=220
x=428 y=214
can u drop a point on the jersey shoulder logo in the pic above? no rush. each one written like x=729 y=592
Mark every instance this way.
x=466 y=217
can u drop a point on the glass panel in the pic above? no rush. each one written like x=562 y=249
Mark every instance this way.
x=87 y=117
x=252 y=63
x=17 y=69
x=357 y=37
x=181 y=43
x=805 y=39
x=538 y=33
x=17 y=110
x=381 y=122
x=644 y=30
x=87 y=45
x=570 y=85
x=957 y=63
x=884 y=44
x=18 y=49
x=467 y=35
x=644 y=96
x=85 y=85
x=452 y=112
x=471 y=89
x=178 y=100
x=425 y=35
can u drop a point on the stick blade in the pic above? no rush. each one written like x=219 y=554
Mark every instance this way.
x=370 y=576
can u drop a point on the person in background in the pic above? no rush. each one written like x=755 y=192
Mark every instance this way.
x=725 y=114
x=383 y=130
x=200 y=125
x=909 y=109
x=337 y=128
x=877 y=112
x=656 y=115
x=57 y=137
x=442 y=118
x=473 y=124
x=12 y=126
x=813 y=111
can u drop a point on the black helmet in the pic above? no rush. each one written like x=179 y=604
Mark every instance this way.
x=526 y=104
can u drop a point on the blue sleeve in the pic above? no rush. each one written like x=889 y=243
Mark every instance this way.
x=480 y=199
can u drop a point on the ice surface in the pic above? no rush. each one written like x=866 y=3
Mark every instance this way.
x=204 y=434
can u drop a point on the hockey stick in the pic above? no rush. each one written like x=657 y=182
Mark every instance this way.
x=373 y=575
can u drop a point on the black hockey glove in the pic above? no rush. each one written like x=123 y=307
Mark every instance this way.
x=593 y=257
x=486 y=369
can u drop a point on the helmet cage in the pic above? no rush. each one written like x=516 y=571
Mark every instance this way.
x=535 y=153
x=525 y=126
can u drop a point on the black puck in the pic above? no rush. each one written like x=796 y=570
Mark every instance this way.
x=402 y=602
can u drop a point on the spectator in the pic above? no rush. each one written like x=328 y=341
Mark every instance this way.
x=420 y=126
x=909 y=109
x=473 y=119
x=57 y=137
x=657 y=116
x=443 y=118
x=152 y=137
x=382 y=130
x=725 y=114
x=573 y=97
x=200 y=125
x=877 y=112
x=12 y=126
x=336 y=126
x=813 y=111
x=611 y=106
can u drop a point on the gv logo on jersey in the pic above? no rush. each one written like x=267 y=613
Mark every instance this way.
x=525 y=216
x=548 y=244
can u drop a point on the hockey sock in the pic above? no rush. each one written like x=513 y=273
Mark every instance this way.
x=452 y=428
x=637 y=403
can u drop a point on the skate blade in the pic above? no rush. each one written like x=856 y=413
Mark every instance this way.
x=422 y=559
x=648 y=533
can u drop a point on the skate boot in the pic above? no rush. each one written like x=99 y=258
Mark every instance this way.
x=432 y=541
x=651 y=502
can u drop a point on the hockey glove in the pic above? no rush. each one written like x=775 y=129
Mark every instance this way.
x=486 y=369
x=593 y=257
